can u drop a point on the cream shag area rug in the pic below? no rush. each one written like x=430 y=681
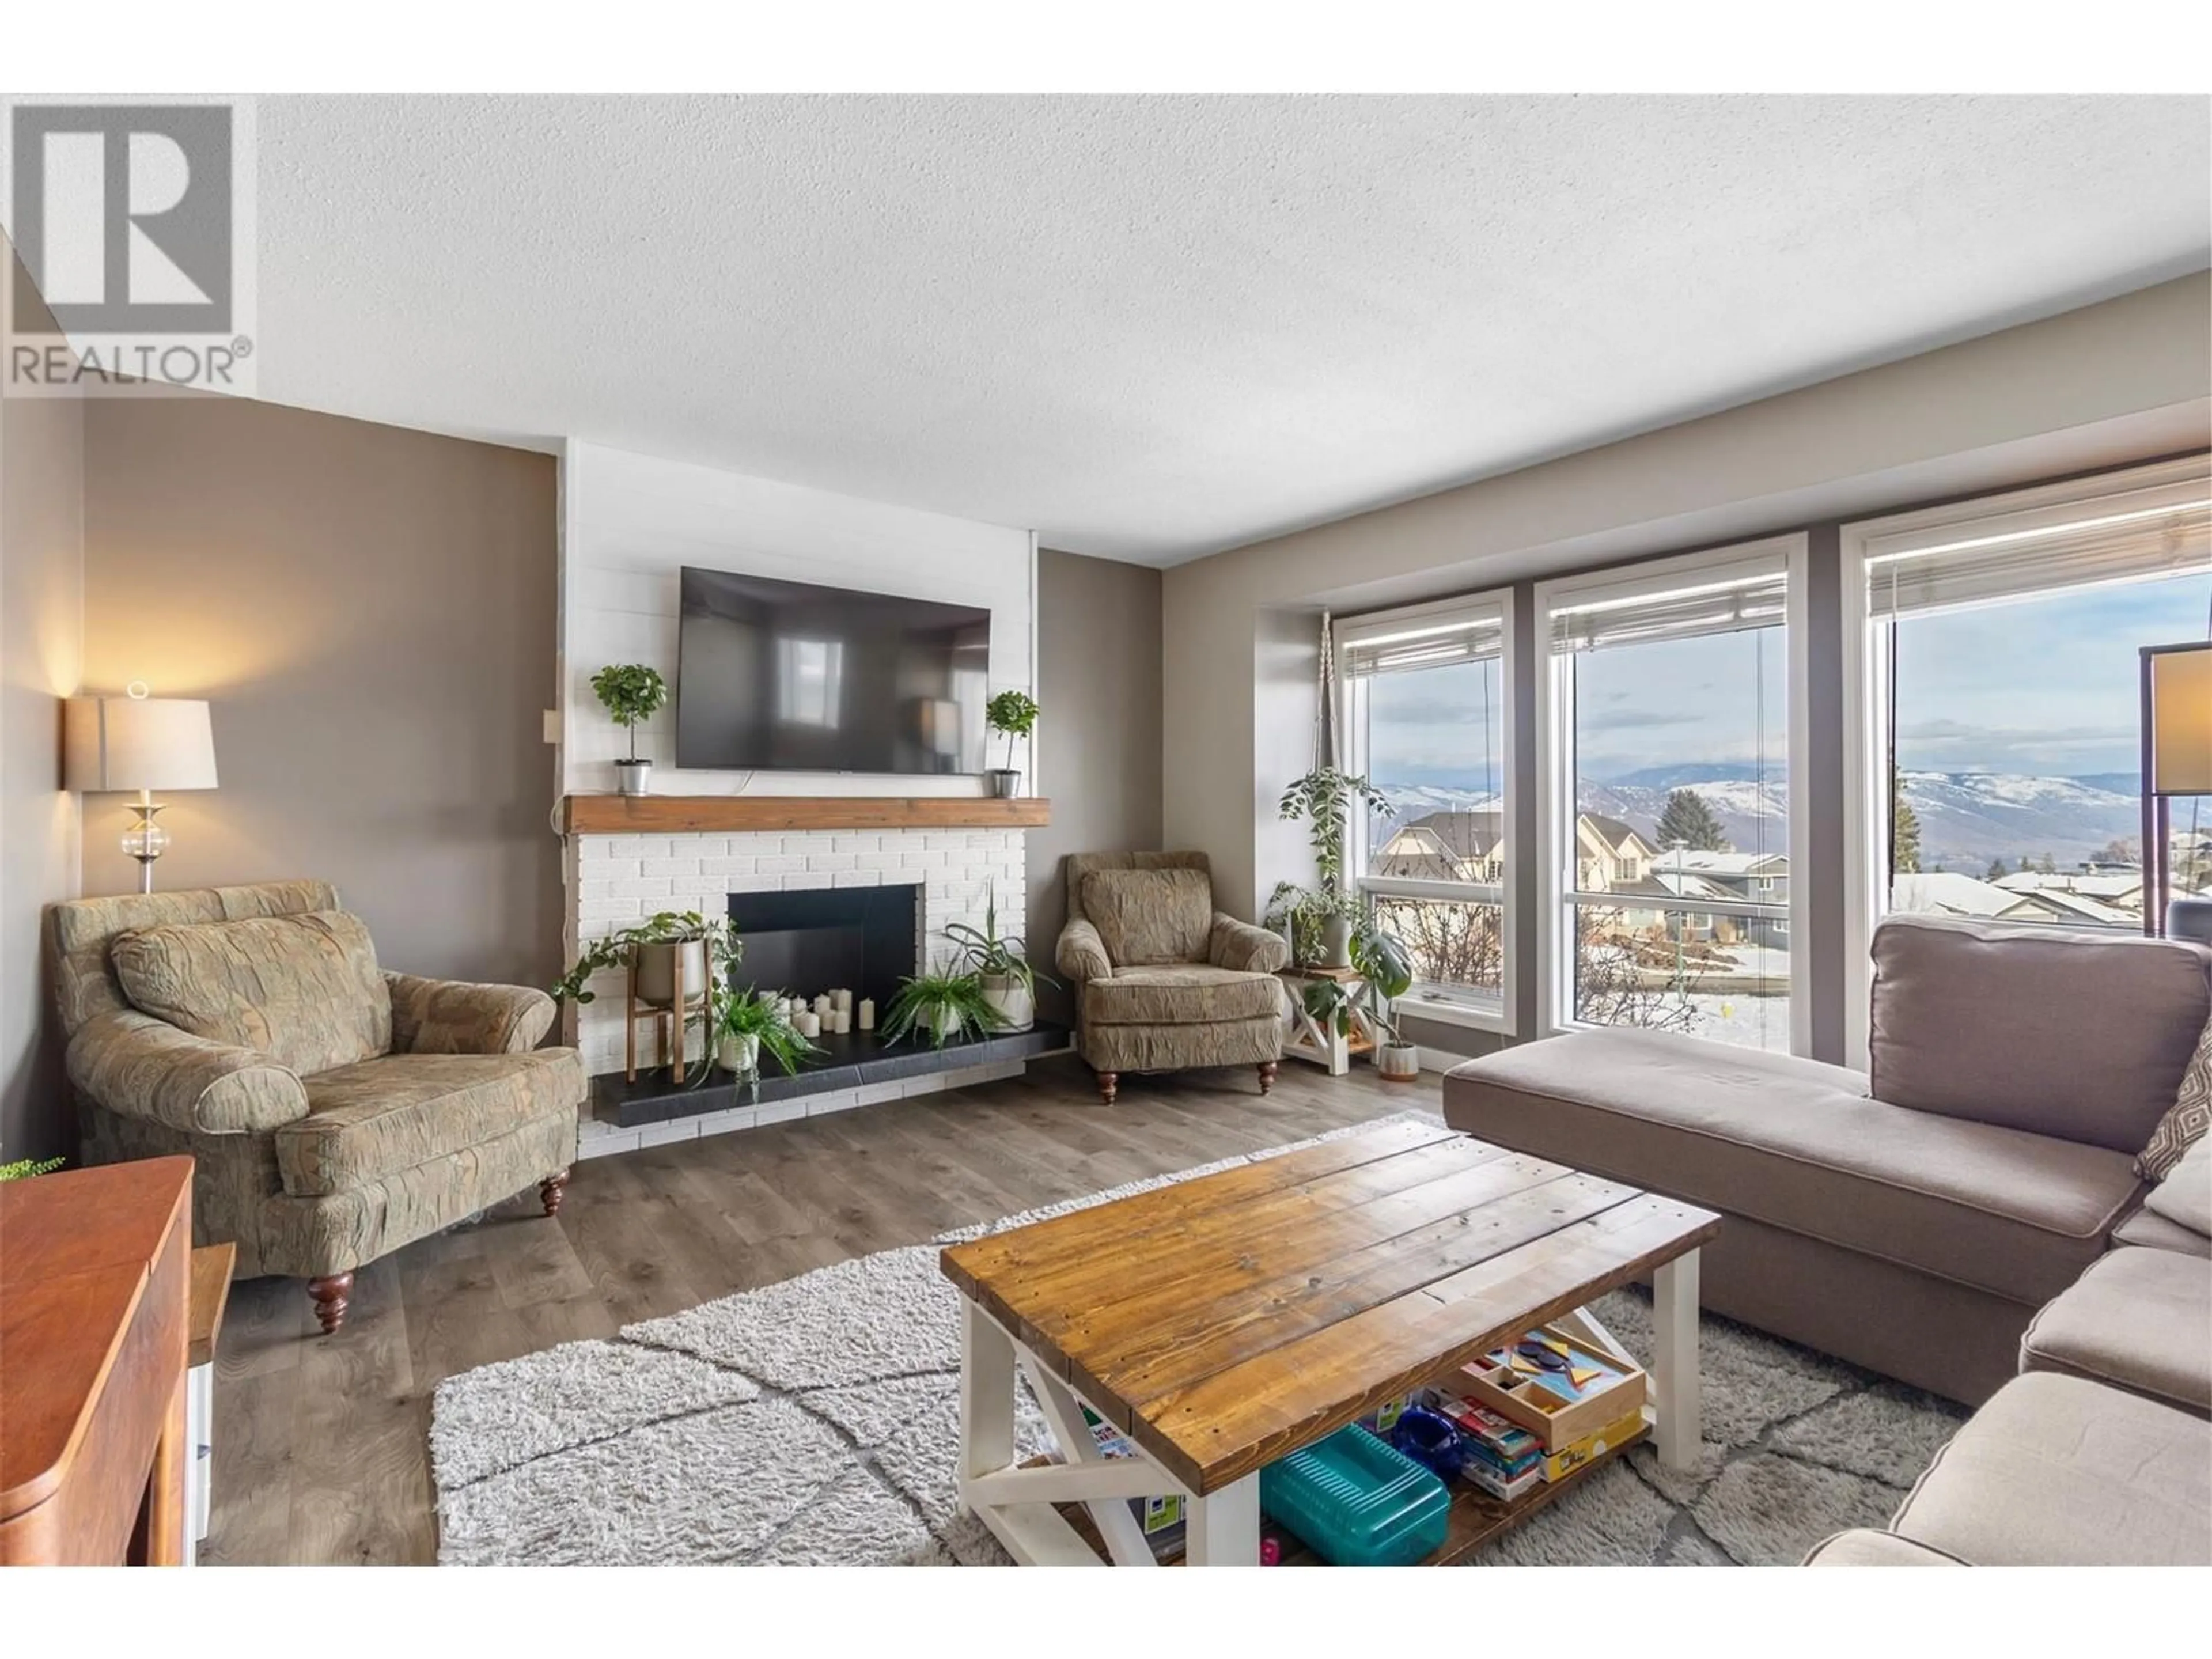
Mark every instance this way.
x=815 y=1422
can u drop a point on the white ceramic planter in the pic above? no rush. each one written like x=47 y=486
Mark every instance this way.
x=656 y=972
x=1398 y=1062
x=738 y=1053
x=1016 y=1007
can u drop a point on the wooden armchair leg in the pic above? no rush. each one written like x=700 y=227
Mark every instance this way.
x=1267 y=1068
x=1109 y=1084
x=331 y=1293
x=552 y=1189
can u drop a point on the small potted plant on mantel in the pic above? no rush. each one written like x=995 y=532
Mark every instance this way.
x=632 y=694
x=1009 y=981
x=1012 y=715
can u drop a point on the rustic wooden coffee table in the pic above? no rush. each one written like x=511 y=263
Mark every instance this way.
x=1224 y=1322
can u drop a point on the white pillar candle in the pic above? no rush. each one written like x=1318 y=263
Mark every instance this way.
x=822 y=1003
x=867 y=1013
x=841 y=1001
x=809 y=1024
x=841 y=1021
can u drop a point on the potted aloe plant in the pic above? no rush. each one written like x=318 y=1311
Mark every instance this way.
x=756 y=1024
x=631 y=693
x=1012 y=715
x=1009 y=981
x=947 y=1002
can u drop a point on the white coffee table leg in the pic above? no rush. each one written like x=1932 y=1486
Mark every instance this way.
x=1674 y=1360
x=1224 y=1527
x=987 y=1393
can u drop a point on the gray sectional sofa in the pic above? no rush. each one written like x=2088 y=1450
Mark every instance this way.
x=1965 y=1216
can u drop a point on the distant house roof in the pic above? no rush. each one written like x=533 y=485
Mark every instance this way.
x=2057 y=903
x=2106 y=884
x=1615 y=834
x=1723 y=864
x=1949 y=894
x=1468 y=835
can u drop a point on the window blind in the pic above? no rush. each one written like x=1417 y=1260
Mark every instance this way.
x=1384 y=644
x=1722 y=601
x=2135 y=537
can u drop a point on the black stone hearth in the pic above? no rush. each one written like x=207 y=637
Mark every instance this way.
x=846 y=1062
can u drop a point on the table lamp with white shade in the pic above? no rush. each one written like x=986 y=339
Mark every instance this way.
x=142 y=743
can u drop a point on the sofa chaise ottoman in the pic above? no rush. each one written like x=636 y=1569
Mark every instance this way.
x=1912 y=1219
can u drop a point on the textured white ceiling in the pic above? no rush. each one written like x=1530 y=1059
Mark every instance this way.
x=1153 y=328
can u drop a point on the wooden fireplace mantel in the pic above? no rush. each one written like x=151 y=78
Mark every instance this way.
x=628 y=815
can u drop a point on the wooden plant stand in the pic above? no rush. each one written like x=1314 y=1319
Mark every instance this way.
x=668 y=1023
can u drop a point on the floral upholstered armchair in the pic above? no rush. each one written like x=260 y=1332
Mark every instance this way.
x=335 y=1111
x=1164 y=981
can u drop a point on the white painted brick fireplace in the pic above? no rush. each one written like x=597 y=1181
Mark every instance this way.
x=615 y=880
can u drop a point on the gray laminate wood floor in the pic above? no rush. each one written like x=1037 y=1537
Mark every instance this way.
x=321 y=1442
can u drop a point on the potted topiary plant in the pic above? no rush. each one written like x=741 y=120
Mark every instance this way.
x=1323 y=798
x=1014 y=713
x=706 y=948
x=1009 y=981
x=632 y=694
x=944 y=1002
x=752 y=1025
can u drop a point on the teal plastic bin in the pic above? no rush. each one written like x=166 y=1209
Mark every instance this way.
x=1358 y=1502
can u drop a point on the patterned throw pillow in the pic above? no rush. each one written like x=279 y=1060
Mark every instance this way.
x=2184 y=1122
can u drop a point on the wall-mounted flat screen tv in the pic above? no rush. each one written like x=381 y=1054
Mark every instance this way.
x=789 y=677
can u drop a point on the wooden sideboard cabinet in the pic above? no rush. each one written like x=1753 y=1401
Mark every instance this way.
x=95 y=1289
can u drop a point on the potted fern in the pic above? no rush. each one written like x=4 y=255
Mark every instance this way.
x=631 y=693
x=754 y=1025
x=1013 y=715
x=945 y=1002
x=1002 y=963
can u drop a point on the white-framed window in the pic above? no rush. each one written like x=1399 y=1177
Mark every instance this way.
x=1671 y=725
x=1991 y=657
x=1426 y=718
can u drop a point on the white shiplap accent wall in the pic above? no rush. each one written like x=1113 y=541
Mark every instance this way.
x=629 y=523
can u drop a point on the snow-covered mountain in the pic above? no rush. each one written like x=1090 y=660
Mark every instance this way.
x=1966 y=818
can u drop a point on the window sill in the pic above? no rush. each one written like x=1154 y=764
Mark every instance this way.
x=1472 y=1016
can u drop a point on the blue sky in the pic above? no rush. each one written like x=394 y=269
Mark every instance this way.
x=2044 y=686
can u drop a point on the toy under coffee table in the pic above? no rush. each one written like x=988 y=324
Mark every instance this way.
x=1224 y=1324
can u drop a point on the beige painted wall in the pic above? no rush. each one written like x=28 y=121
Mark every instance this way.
x=371 y=612
x=1098 y=735
x=2109 y=383
x=41 y=634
